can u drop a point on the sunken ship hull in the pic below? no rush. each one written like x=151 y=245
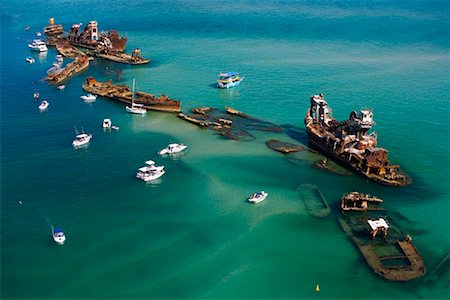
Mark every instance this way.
x=349 y=143
x=321 y=146
x=123 y=94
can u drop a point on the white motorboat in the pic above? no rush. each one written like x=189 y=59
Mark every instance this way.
x=257 y=197
x=150 y=175
x=58 y=235
x=150 y=165
x=115 y=127
x=88 y=97
x=107 y=124
x=81 y=139
x=44 y=105
x=229 y=79
x=30 y=60
x=36 y=95
x=38 y=34
x=172 y=148
x=38 y=45
x=56 y=66
x=135 y=108
x=150 y=172
x=61 y=87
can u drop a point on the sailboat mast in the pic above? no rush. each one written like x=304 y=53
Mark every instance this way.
x=132 y=97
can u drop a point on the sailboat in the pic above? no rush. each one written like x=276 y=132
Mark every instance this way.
x=135 y=108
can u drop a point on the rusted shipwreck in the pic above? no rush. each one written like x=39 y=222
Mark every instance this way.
x=134 y=58
x=231 y=123
x=390 y=253
x=80 y=64
x=349 y=143
x=123 y=94
x=108 y=45
x=91 y=38
x=360 y=202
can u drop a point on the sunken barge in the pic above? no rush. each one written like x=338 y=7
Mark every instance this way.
x=389 y=252
x=349 y=143
x=124 y=94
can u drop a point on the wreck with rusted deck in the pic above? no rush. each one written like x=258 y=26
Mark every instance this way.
x=389 y=252
x=349 y=143
x=360 y=202
x=80 y=64
x=91 y=38
x=134 y=58
x=231 y=123
x=124 y=94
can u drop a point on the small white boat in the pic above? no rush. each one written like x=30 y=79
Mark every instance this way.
x=27 y=28
x=150 y=171
x=61 y=87
x=107 y=124
x=257 y=197
x=30 y=60
x=38 y=45
x=150 y=165
x=172 y=148
x=115 y=127
x=59 y=58
x=44 y=105
x=36 y=95
x=229 y=79
x=88 y=97
x=58 y=235
x=81 y=139
x=38 y=34
x=138 y=109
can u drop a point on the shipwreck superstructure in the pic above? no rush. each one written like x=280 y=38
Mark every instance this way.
x=91 y=38
x=350 y=143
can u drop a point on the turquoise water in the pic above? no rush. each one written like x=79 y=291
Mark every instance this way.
x=192 y=234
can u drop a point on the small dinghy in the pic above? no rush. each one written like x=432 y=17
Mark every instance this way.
x=61 y=87
x=30 y=60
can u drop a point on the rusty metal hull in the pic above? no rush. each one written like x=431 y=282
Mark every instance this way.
x=320 y=145
x=123 y=94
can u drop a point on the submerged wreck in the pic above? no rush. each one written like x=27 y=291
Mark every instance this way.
x=315 y=202
x=390 y=253
x=360 y=202
x=349 y=143
x=124 y=94
x=231 y=123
